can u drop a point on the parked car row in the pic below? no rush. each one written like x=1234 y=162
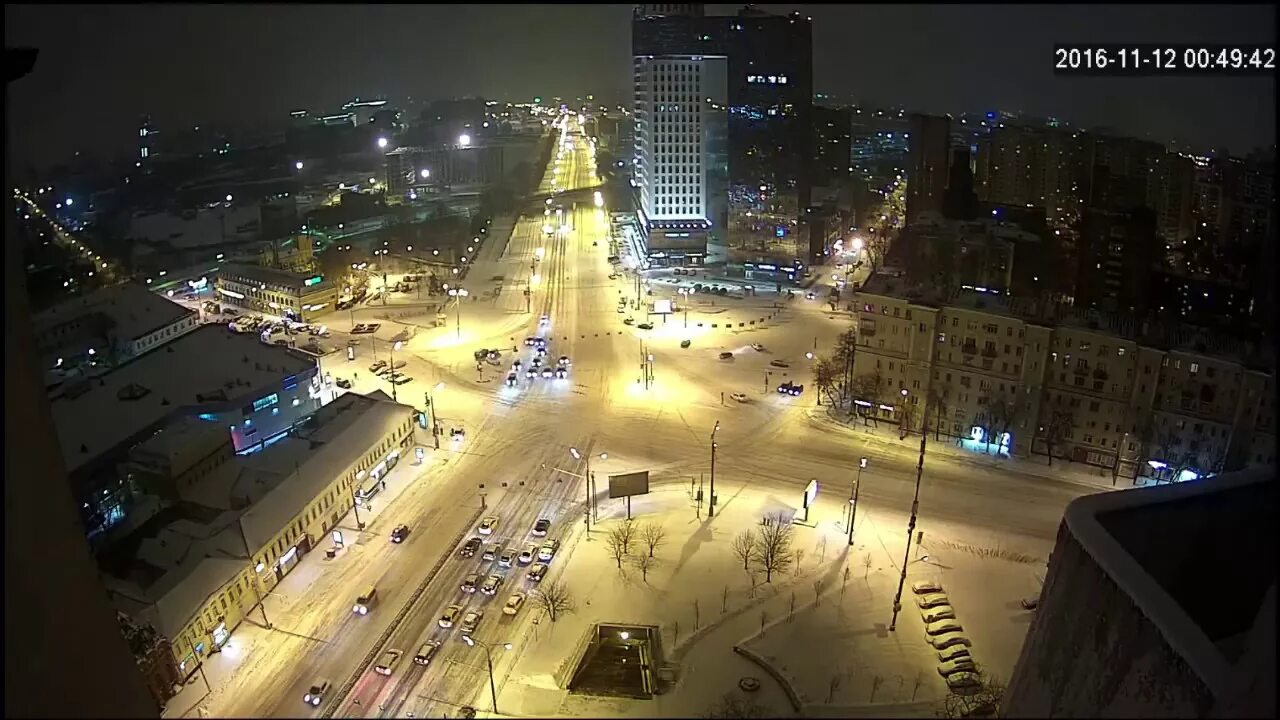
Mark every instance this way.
x=944 y=632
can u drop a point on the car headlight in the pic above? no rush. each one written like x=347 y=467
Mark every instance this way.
x=306 y=698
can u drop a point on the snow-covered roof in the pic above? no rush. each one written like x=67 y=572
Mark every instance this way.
x=183 y=442
x=125 y=402
x=340 y=433
x=134 y=311
x=273 y=276
x=206 y=228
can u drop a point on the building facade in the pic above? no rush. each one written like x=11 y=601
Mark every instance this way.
x=297 y=296
x=928 y=152
x=119 y=323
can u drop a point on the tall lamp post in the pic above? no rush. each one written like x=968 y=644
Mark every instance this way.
x=711 y=502
x=458 y=294
x=853 y=498
x=590 y=477
x=392 y=376
x=488 y=656
x=911 y=523
x=685 y=292
x=431 y=408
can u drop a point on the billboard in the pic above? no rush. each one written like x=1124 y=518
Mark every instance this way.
x=661 y=307
x=629 y=484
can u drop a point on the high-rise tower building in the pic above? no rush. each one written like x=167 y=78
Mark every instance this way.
x=928 y=152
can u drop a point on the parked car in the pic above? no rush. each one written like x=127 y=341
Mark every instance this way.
x=450 y=616
x=469 y=583
x=343 y=383
x=779 y=363
x=548 y=550
x=951 y=667
x=924 y=587
x=627 y=321
x=963 y=682
x=470 y=547
x=645 y=326
x=942 y=642
x=757 y=347
x=316 y=694
x=491 y=583
x=400 y=533
x=487 y=525
x=942 y=612
x=378 y=366
x=942 y=626
x=953 y=652
x=932 y=600
x=739 y=397
x=514 y=603
x=726 y=356
x=540 y=528
x=685 y=343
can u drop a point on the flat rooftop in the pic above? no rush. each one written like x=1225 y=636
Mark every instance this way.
x=134 y=310
x=207 y=365
x=274 y=276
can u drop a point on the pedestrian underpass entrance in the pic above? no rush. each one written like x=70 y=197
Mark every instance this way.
x=619 y=661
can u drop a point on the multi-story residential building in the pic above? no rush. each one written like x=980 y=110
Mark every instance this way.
x=248 y=522
x=297 y=296
x=1026 y=378
x=1116 y=253
x=832 y=135
x=929 y=152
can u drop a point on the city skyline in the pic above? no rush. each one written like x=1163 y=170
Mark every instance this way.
x=935 y=59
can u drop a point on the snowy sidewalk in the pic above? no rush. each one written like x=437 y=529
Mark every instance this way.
x=1062 y=471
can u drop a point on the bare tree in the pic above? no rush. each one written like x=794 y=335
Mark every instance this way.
x=822 y=549
x=825 y=374
x=867 y=562
x=643 y=562
x=617 y=544
x=764 y=617
x=867 y=388
x=744 y=546
x=773 y=545
x=653 y=535
x=554 y=598
x=982 y=701
x=845 y=351
x=938 y=401
x=627 y=533
x=733 y=705
x=1061 y=421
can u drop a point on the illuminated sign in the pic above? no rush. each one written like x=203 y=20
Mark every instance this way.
x=266 y=402
x=313 y=281
x=231 y=293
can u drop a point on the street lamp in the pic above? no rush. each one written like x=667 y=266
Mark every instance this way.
x=711 y=503
x=431 y=407
x=382 y=142
x=853 y=498
x=392 y=375
x=488 y=655
x=591 y=486
x=911 y=523
x=458 y=293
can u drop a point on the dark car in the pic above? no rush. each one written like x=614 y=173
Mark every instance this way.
x=400 y=533
x=343 y=383
x=726 y=356
x=470 y=547
x=540 y=528
x=511 y=380
x=645 y=326
x=685 y=343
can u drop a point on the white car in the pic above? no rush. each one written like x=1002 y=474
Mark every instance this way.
x=739 y=397
x=942 y=642
x=952 y=653
x=757 y=347
x=942 y=612
x=545 y=319
x=934 y=600
x=951 y=667
x=450 y=616
x=507 y=557
x=548 y=550
x=487 y=525
x=514 y=603
x=939 y=627
x=527 y=555
x=924 y=587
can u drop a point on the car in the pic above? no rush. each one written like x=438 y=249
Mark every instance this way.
x=511 y=379
x=399 y=364
x=779 y=363
x=481 y=354
x=942 y=642
x=450 y=616
x=960 y=664
x=514 y=603
x=561 y=373
x=491 y=583
x=757 y=347
x=795 y=389
x=471 y=621
x=470 y=547
x=628 y=321
x=527 y=554
x=545 y=319
x=548 y=373
x=493 y=355
x=784 y=388
x=953 y=652
x=942 y=612
x=622 y=309
x=645 y=326
x=531 y=372
x=490 y=552
x=563 y=361
x=387 y=663
x=726 y=356
x=613 y=276
x=685 y=343
x=537 y=572
x=809 y=296
x=925 y=587
x=529 y=341
x=536 y=362
x=426 y=652
x=400 y=379
x=466 y=712
x=938 y=627
x=1030 y=603
x=932 y=600
x=540 y=351
x=540 y=342
x=470 y=582
x=517 y=365
x=963 y=682
x=541 y=527
x=343 y=383
x=315 y=695
x=739 y=397
x=548 y=550
x=400 y=533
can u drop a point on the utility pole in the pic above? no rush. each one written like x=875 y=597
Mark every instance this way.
x=355 y=506
x=911 y=524
x=853 y=498
x=711 y=502
x=435 y=425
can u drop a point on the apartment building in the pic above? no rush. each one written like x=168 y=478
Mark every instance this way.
x=1092 y=388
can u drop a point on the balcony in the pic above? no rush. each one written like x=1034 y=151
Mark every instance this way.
x=1100 y=374
x=968 y=349
x=867 y=330
x=988 y=352
x=1080 y=370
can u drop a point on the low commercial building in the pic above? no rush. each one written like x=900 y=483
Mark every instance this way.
x=1151 y=609
x=206 y=562
x=112 y=325
x=296 y=296
x=250 y=390
x=1168 y=402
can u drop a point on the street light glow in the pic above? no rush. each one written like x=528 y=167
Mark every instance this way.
x=382 y=142
x=464 y=140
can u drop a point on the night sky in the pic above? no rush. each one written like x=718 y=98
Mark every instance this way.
x=101 y=67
